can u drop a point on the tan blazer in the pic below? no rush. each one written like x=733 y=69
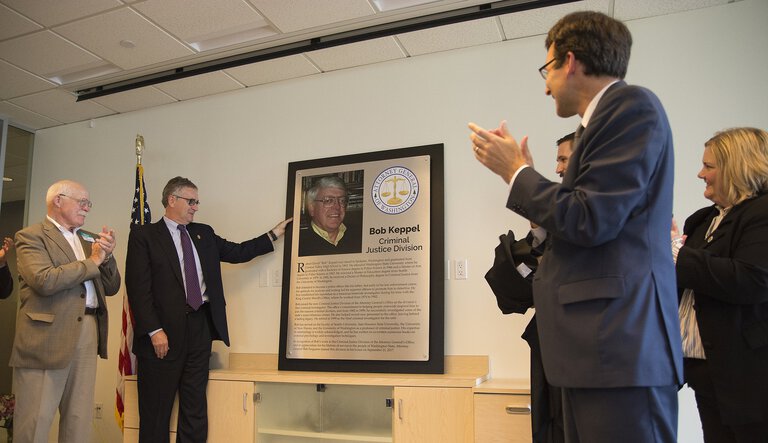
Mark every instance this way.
x=52 y=297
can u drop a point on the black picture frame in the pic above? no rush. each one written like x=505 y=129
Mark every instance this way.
x=435 y=362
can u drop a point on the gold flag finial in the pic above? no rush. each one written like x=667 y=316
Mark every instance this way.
x=139 y=147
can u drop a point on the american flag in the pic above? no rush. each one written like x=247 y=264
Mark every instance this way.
x=126 y=364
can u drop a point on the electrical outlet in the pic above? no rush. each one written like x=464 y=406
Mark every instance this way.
x=460 y=269
x=98 y=408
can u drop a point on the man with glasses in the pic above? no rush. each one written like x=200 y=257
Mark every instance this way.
x=605 y=295
x=326 y=203
x=65 y=273
x=174 y=287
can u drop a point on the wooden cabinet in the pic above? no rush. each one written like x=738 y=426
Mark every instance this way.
x=131 y=414
x=502 y=411
x=230 y=420
x=231 y=411
x=254 y=402
x=433 y=415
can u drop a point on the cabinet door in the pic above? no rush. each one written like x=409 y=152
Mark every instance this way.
x=432 y=415
x=502 y=418
x=231 y=411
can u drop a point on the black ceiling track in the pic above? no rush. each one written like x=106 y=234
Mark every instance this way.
x=343 y=38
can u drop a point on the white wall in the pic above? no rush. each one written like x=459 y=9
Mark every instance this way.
x=707 y=66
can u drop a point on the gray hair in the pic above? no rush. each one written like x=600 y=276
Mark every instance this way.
x=65 y=187
x=173 y=186
x=329 y=181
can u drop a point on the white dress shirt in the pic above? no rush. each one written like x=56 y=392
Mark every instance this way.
x=91 y=300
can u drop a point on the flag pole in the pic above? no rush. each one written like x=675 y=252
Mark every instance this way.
x=139 y=147
x=140 y=215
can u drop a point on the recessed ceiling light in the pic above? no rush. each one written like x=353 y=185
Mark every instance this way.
x=128 y=44
x=234 y=36
x=388 y=5
x=82 y=72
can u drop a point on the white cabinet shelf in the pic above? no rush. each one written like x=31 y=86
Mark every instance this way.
x=326 y=435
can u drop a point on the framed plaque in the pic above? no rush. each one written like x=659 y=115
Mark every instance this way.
x=362 y=272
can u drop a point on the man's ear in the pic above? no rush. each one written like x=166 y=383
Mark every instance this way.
x=572 y=63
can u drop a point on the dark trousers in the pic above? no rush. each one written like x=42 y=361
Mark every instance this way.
x=546 y=400
x=698 y=377
x=159 y=381
x=627 y=415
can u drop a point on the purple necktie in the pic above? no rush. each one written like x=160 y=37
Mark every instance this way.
x=194 y=297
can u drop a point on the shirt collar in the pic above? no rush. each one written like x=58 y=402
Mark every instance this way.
x=62 y=228
x=172 y=225
x=323 y=233
x=593 y=104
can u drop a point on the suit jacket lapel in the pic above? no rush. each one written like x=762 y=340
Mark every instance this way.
x=195 y=235
x=52 y=232
x=165 y=241
x=577 y=151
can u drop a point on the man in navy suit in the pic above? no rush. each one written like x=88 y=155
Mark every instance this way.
x=605 y=294
x=173 y=333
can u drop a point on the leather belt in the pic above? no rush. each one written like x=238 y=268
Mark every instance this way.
x=189 y=309
x=91 y=311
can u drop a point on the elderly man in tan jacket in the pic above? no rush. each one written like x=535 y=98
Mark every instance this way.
x=65 y=273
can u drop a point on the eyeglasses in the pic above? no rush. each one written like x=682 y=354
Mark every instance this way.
x=329 y=202
x=190 y=201
x=83 y=202
x=544 y=71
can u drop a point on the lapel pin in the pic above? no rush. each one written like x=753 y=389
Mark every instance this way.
x=198 y=236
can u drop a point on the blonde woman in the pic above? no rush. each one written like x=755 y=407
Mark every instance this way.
x=722 y=274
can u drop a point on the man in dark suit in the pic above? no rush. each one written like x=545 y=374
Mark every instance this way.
x=604 y=292
x=6 y=280
x=176 y=294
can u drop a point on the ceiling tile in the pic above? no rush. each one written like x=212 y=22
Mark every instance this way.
x=14 y=23
x=135 y=99
x=632 y=9
x=26 y=118
x=444 y=38
x=538 y=21
x=199 y=86
x=357 y=54
x=54 y=12
x=44 y=53
x=283 y=14
x=103 y=33
x=273 y=70
x=60 y=105
x=83 y=42
x=14 y=82
x=198 y=20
